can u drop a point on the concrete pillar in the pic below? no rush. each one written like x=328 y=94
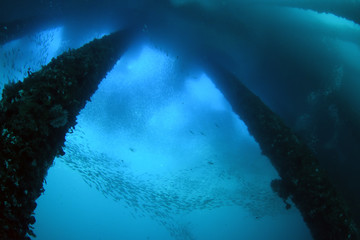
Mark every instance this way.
x=302 y=179
x=35 y=116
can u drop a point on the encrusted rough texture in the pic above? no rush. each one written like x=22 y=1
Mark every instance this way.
x=35 y=116
x=324 y=211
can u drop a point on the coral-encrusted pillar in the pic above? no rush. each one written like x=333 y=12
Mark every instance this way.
x=324 y=211
x=35 y=115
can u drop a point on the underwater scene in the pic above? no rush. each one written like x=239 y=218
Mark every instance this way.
x=157 y=148
x=180 y=119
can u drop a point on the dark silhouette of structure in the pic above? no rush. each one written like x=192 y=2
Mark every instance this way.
x=302 y=179
x=35 y=116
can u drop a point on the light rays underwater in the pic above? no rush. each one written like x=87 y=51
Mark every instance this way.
x=161 y=143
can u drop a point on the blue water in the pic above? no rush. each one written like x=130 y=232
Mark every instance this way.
x=157 y=154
